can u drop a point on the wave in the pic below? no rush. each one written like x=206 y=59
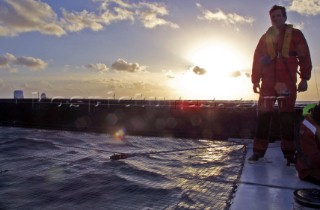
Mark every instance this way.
x=44 y=169
x=23 y=143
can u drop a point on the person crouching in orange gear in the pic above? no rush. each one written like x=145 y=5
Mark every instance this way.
x=308 y=147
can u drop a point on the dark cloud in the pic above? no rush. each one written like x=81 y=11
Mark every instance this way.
x=198 y=70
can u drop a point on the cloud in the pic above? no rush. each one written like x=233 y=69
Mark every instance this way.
x=149 y=15
x=105 y=3
x=299 y=25
x=100 y=67
x=219 y=15
x=139 y=85
x=33 y=63
x=46 y=84
x=198 y=70
x=235 y=74
x=122 y=65
x=247 y=74
x=25 y=86
x=7 y=60
x=310 y=7
x=169 y=74
x=1 y=83
x=18 y=16
x=77 y=21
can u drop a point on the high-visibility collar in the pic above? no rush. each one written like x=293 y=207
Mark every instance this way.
x=271 y=35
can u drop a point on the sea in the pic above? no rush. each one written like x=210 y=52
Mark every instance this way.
x=54 y=169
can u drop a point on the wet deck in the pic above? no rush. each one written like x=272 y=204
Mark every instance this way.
x=268 y=185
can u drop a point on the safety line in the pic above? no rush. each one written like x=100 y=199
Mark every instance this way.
x=267 y=185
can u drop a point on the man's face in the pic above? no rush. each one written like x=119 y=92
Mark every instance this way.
x=277 y=18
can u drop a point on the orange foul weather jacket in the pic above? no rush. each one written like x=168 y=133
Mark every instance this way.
x=277 y=57
x=308 y=158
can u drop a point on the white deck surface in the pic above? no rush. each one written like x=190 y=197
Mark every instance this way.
x=265 y=186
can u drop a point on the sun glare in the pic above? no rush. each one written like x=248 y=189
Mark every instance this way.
x=219 y=62
x=218 y=59
x=199 y=87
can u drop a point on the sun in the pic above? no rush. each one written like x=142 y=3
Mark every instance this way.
x=219 y=60
x=199 y=87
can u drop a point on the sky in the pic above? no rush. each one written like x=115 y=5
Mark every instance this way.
x=166 y=49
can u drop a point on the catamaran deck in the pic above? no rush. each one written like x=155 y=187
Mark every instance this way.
x=268 y=185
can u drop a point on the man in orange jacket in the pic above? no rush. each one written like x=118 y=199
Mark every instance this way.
x=279 y=53
x=308 y=147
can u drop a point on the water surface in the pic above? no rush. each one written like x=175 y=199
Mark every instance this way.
x=48 y=169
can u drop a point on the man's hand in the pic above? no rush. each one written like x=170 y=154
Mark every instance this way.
x=303 y=85
x=256 y=87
